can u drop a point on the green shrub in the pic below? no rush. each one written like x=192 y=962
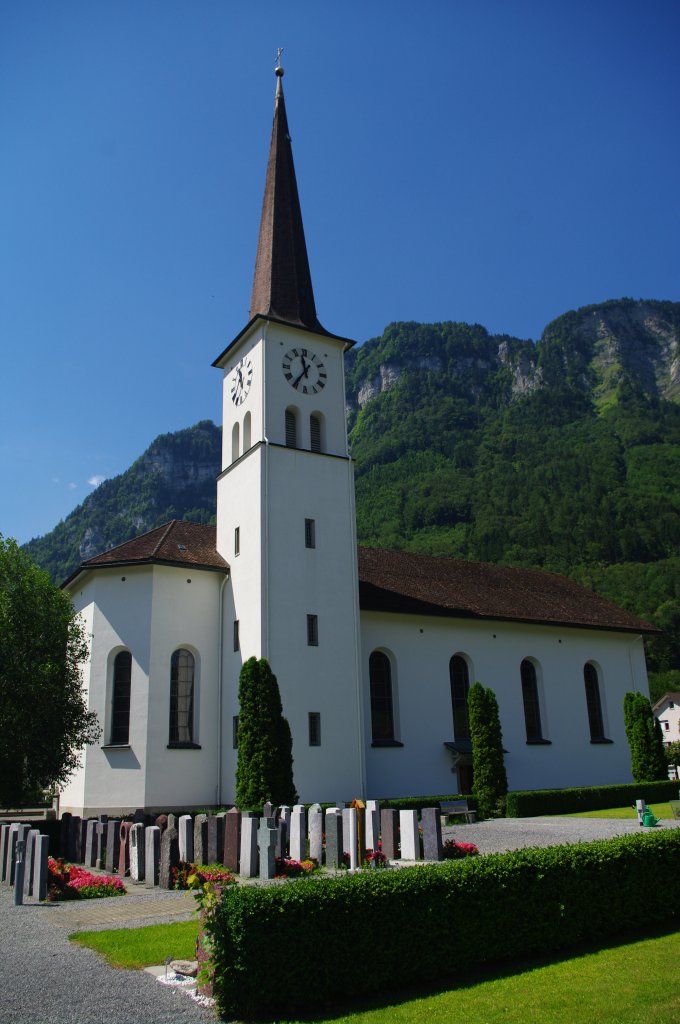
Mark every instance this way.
x=643 y=732
x=489 y=778
x=524 y=804
x=416 y=803
x=280 y=950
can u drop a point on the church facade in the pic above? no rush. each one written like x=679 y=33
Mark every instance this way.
x=374 y=651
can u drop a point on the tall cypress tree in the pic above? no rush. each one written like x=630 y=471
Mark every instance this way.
x=264 y=769
x=647 y=757
x=489 y=778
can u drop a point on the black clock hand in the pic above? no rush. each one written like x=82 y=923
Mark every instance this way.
x=304 y=373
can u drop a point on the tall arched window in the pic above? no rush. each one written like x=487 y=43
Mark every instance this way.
x=382 y=711
x=460 y=685
x=120 y=698
x=246 y=431
x=182 y=697
x=235 y=442
x=593 y=702
x=315 y=433
x=291 y=429
x=532 y=711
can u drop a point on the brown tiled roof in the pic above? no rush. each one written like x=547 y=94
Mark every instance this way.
x=398 y=581
x=175 y=543
x=675 y=697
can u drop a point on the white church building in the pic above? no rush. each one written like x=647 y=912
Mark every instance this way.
x=373 y=650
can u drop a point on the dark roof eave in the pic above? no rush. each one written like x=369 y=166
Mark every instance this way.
x=122 y=563
x=348 y=343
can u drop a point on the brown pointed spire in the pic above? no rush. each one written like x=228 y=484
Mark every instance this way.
x=282 y=284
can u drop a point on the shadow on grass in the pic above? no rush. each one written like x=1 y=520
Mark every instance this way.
x=489 y=972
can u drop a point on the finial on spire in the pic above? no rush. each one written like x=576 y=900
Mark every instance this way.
x=278 y=70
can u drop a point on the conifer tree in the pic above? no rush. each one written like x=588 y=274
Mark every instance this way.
x=647 y=757
x=264 y=769
x=489 y=779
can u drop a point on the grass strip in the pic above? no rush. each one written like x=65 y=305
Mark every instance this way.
x=661 y=811
x=142 y=947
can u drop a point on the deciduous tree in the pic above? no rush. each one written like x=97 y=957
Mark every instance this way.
x=44 y=720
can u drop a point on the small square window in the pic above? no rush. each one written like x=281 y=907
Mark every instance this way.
x=314 y=728
x=310 y=533
x=236 y=636
x=312 y=631
x=234 y=732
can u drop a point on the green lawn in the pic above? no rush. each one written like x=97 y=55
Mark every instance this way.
x=662 y=811
x=142 y=947
x=630 y=983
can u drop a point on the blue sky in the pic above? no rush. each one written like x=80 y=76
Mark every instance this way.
x=497 y=162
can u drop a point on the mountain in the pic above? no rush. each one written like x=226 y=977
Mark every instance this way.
x=564 y=455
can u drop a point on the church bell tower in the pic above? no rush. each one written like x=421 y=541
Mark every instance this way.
x=285 y=505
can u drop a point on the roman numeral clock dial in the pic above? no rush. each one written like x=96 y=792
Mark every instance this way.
x=304 y=371
x=241 y=379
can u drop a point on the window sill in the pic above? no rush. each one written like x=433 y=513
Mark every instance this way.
x=539 y=743
x=602 y=739
x=184 y=746
x=386 y=743
x=115 y=746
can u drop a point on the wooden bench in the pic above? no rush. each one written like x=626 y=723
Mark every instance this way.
x=451 y=808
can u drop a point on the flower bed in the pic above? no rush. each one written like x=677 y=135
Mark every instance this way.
x=286 y=867
x=454 y=851
x=196 y=876
x=70 y=882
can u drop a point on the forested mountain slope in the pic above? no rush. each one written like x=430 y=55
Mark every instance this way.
x=562 y=455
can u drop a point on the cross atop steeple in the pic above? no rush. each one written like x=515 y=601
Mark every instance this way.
x=282 y=283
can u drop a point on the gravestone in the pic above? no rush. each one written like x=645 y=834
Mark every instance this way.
x=40 y=853
x=161 y=822
x=91 y=843
x=200 y=839
x=80 y=842
x=410 y=838
x=112 y=843
x=345 y=829
x=29 y=856
x=232 y=839
x=152 y=855
x=64 y=828
x=315 y=829
x=10 y=853
x=172 y=821
x=248 y=851
x=19 y=837
x=334 y=844
x=361 y=832
x=215 y=839
x=101 y=840
x=137 y=847
x=169 y=857
x=353 y=839
x=372 y=825
x=186 y=838
x=268 y=810
x=389 y=833
x=432 y=833
x=139 y=817
x=71 y=839
x=4 y=838
x=124 y=854
x=281 y=838
x=298 y=833
x=266 y=841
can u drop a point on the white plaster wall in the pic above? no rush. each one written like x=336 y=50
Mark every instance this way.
x=251 y=347
x=671 y=715
x=421 y=648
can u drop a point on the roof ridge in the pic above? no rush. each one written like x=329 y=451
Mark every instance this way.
x=166 y=532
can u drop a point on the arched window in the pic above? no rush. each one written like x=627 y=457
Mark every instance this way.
x=182 y=697
x=120 y=698
x=315 y=433
x=235 y=442
x=460 y=685
x=291 y=429
x=246 y=431
x=593 y=702
x=532 y=711
x=382 y=712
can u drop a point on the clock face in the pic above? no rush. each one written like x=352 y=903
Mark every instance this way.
x=241 y=379
x=304 y=371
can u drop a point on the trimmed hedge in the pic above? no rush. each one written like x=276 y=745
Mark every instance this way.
x=416 y=803
x=278 y=950
x=524 y=804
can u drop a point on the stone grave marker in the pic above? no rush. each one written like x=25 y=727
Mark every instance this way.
x=268 y=810
x=40 y=853
x=161 y=822
x=137 y=845
x=91 y=843
x=282 y=838
x=124 y=854
x=334 y=841
x=29 y=856
x=372 y=825
x=266 y=841
x=172 y=821
x=201 y=839
x=298 y=833
x=410 y=838
x=4 y=838
x=215 y=839
x=186 y=838
x=139 y=817
x=432 y=833
x=232 y=839
x=352 y=841
x=389 y=833
x=248 y=851
x=81 y=841
x=169 y=857
x=315 y=830
x=152 y=856
x=64 y=828
x=112 y=843
x=10 y=853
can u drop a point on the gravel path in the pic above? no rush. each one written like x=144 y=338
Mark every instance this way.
x=45 y=979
